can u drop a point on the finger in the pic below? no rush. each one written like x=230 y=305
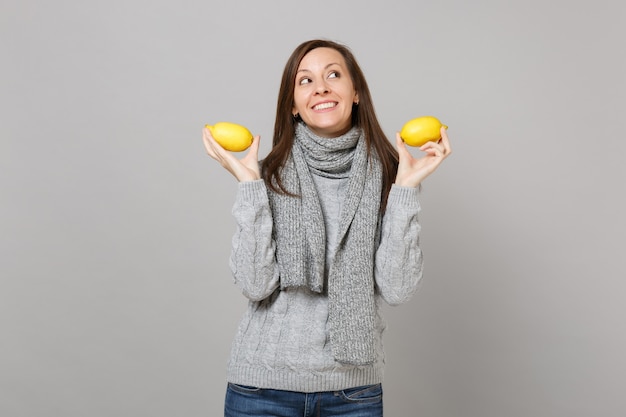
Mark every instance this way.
x=254 y=148
x=209 y=142
x=401 y=145
x=433 y=148
x=433 y=152
x=445 y=141
x=253 y=151
x=214 y=149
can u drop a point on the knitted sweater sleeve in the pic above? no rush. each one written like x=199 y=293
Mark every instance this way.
x=252 y=259
x=398 y=267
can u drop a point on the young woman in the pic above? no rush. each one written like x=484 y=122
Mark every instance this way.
x=327 y=227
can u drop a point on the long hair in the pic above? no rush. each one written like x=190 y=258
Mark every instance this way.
x=363 y=116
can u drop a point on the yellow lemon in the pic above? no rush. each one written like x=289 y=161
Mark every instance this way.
x=418 y=131
x=231 y=136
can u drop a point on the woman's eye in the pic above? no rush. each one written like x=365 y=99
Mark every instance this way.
x=304 y=81
x=333 y=74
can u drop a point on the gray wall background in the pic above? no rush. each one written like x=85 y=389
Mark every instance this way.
x=115 y=294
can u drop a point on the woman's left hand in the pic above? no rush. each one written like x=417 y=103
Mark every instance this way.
x=412 y=171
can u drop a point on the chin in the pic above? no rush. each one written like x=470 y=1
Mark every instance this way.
x=329 y=129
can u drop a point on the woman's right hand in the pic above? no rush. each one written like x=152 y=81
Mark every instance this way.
x=244 y=169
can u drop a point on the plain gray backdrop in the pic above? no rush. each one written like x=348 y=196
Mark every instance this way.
x=115 y=293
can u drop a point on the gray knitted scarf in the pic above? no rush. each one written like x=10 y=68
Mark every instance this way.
x=301 y=240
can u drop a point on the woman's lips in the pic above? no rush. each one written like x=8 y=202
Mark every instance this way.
x=325 y=105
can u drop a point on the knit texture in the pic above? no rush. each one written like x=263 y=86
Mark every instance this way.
x=301 y=240
x=283 y=339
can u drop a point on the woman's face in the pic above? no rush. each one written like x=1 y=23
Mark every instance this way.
x=324 y=93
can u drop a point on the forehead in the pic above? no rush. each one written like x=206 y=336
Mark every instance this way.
x=321 y=57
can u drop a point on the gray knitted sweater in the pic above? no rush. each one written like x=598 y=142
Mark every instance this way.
x=282 y=341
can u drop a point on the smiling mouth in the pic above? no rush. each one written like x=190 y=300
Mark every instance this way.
x=324 y=106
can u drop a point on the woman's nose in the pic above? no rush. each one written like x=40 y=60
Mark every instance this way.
x=322 y=88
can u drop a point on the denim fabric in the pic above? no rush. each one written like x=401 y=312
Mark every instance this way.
x=247 y=401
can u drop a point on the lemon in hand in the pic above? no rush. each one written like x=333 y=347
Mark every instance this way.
x=418 y=131
x=231 y=136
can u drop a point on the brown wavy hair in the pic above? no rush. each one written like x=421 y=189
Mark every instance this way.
x=363 y=116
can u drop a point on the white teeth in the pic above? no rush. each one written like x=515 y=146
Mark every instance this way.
x=324 y=106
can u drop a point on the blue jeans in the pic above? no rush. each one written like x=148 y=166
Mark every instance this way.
x=247 y=401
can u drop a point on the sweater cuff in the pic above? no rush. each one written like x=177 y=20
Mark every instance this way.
x=252 y=191
x=404 y=196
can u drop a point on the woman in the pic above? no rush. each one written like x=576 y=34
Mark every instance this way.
x=326 y=227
